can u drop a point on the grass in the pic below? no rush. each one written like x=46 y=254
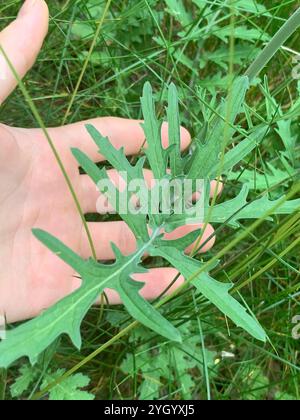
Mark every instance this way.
x=140 y=41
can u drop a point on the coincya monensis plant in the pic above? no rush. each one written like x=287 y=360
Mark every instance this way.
x=209 y=160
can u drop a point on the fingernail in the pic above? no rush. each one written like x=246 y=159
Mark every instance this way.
x=27 y=7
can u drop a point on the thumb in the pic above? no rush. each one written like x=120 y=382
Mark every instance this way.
x=21 y=42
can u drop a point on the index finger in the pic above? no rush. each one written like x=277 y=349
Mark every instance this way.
x=21 y=42
x=121 y=132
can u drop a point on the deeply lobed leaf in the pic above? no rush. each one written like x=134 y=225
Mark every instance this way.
x=33 y=337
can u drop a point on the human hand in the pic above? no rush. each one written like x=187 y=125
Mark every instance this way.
x=33 y=192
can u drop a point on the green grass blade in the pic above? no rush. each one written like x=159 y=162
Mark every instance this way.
x=273 y=46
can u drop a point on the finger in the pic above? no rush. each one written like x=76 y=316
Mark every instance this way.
x=119 y=233
x=216 y=187
x=207 y=241
x=121 y=132
x=93 y=201
x=22 y=41
x=157 y=280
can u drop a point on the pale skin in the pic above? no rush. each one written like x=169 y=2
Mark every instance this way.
x=33 y=192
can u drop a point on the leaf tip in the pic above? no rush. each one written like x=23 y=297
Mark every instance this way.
x=38 y=233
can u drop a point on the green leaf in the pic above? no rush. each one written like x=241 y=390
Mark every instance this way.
x=217 y=293
x=27 y=374
x=136 y=222
x=289 y=140
x=177 y=9
x=239 y=209
x=256 y=180
x=168 y=362
x=155 y=153
x=284 y=396
x=256 y=382
x=142 y=310
x=67 y=390
x=278 y=40
x=250 y=7
x=116 y=157
x=33 y=337
x=224 y=33
x=70 y=389
x=242 y=54
x=233 y=211
x=241 y=150
x=176 y=164
x=240 y=6
x=241 y=32
x=220 y=133
x=91 y=12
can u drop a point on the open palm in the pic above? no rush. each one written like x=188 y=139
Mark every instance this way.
x=33 y=192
